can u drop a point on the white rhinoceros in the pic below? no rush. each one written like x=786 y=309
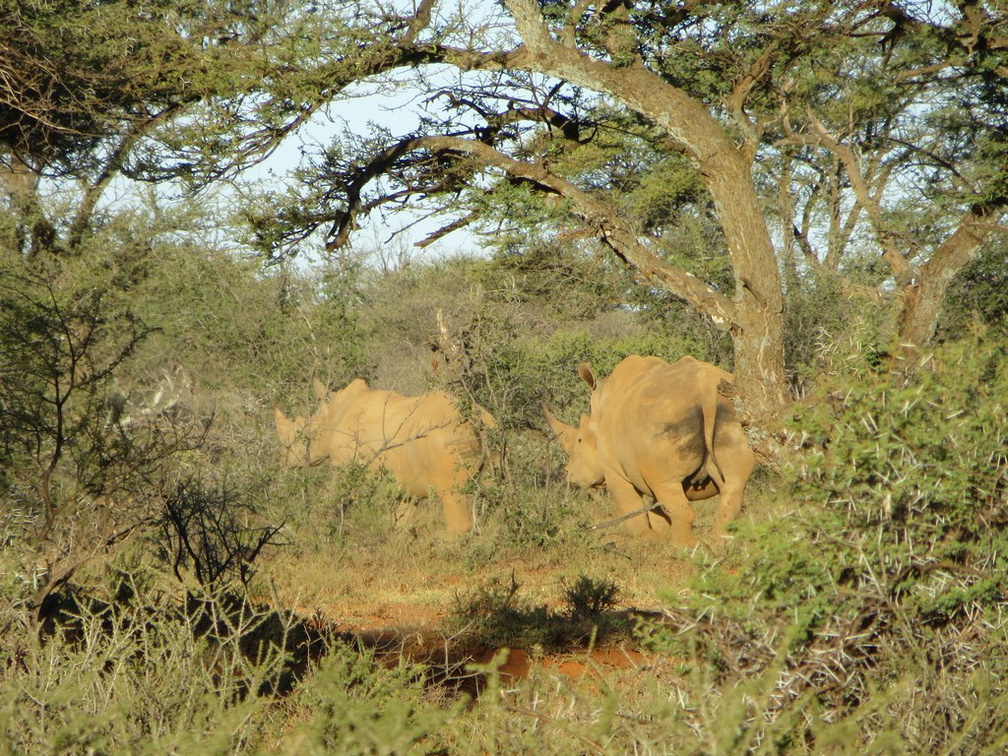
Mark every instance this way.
x=661 y=430
x=422 y=440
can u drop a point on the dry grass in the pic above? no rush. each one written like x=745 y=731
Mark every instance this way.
x=414 y=577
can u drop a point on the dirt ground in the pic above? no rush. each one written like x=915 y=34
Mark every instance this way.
x=400 y=600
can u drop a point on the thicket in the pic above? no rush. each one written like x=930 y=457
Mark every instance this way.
x=875 y=603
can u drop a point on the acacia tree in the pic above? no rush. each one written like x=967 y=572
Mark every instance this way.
x=828 y=128
x=188 y=92
x=874 y=132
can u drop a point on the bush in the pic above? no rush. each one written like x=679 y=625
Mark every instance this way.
x=354 y=705
x=496 y=615
x=139 y=674
x=208 y=529
x=882 y=590
x=129 y=677
x=80 y=474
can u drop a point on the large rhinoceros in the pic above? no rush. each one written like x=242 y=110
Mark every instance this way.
x=422 y=440
x=661 y=430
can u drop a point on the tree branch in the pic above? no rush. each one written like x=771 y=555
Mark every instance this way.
x=605 y=222
x=923 y=300
x=897 y=262
x=736 y=101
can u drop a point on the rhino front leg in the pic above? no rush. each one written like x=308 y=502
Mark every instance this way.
x=457 y=512
x=405 y=512
x=659 y=522
x=628 y=499
x=673 y=500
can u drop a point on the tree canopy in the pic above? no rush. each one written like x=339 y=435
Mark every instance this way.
x=864 y=143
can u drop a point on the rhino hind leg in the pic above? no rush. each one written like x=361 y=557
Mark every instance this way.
x=457 y=512
x=728 y=509
x=737 y=472
x=730 y=504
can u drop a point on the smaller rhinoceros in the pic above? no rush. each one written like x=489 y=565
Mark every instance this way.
x=661 y=430
x=422 y=440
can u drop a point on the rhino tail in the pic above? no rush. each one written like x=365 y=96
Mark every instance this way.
x=709 y=406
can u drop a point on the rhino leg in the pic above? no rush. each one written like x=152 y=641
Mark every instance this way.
x=728 y=509
x=405 y=512
x=628 y=499
x=673 y=500
x=457 y=514
x=730 y=504
x=659 y=522
x=738 y=468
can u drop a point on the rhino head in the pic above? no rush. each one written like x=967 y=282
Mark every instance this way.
x=584 y=465
x=293 y=446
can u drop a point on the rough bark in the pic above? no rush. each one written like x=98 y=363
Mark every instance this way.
x=923 y=296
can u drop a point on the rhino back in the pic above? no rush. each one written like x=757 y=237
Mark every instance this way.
x=649 y=415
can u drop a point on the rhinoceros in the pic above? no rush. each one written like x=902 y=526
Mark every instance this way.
x=661 y=430
x=422 y=440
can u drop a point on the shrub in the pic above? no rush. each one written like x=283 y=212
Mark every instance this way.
x=496 y=615
x=354 y=705
x=589 y=598
x=208 y=529
x=882 y=589
x=130 y=677
x=79 y=474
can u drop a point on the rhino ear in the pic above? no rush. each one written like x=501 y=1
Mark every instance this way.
x=585 y=371
x=320 y=389
x=357 y=384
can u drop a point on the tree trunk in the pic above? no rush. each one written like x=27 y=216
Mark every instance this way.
x=757 y=319
x=758 y=330
x=924 y=296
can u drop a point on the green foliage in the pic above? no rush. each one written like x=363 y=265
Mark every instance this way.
x=533 y=520
x=567 y=283
x=925 y=463
x=980 y=291
x=818 y=315
x=364 y=502
x=84 y=76
x=126 y=678
x=328 y=508
x=253 y=328
x=356 y=706
x=889 y=559
x=79 y=476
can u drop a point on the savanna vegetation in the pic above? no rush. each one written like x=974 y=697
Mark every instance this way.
x=811 y=196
